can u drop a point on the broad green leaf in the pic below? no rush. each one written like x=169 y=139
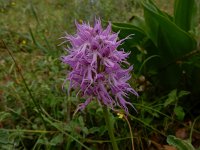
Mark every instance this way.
x=179 y=144
x=139 y=22
x=172 y=41
x=126 y=29
x=184 y=10
x=136 y=41
x=179 y=112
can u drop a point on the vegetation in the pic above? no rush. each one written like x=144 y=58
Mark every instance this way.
x=35 y=113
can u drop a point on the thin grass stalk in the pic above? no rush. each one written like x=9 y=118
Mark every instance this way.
x=26 y=85
x=132 y=141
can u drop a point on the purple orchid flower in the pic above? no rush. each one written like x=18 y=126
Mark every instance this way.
x=95 y=62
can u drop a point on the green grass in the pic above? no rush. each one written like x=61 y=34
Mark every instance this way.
x=31 y=30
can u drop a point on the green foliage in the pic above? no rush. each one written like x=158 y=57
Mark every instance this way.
x=184 y=12
x=178 y=143
x=4 y=115
x=161 y=35
x=164 y=48
x=179 y=112
x=173 y=96
x=172 y=43
x=161 y=46
x=4 y=140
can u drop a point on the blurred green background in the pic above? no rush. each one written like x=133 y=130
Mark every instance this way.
x=31 y=30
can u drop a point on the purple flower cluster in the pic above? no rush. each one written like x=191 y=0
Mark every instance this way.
x=95 y=62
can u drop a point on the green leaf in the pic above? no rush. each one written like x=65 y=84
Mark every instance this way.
x=9 y=140
x=179 y=112
x=183 y=93
x=179 y=144
x=43 y=141
x=172 y=44
x=139 y=22
x=183 y=13
x=172 y=97
x=4 y=138
x=59 y=127
x=129 y=29
x=57 y=139
x=134 y=43
x=93 y=130
x=171 y=40
x=4 y=115
x=39 y=46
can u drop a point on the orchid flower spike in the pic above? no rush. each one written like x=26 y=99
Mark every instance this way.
x=95 y=63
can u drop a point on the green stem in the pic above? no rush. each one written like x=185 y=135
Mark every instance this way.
x=110 y=128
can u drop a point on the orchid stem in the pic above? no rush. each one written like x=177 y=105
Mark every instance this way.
x=110 y=128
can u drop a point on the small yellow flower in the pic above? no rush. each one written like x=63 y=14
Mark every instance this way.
x=24 y=42
x=120 y=116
